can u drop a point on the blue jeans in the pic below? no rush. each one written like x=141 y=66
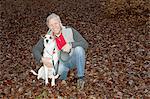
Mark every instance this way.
x=77 y=60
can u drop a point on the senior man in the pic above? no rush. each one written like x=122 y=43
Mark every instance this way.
x=71 y=46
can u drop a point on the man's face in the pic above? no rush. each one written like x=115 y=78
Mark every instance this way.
x=54 y=25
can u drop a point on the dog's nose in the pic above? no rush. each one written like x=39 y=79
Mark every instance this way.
x=46 y=41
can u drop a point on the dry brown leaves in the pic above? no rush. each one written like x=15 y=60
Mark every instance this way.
x=118 y=58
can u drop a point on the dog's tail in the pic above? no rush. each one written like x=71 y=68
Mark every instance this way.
x=32 y=71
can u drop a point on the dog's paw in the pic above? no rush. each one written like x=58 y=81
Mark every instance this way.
x=46 y=82
x=56 y=76
x=53 y=84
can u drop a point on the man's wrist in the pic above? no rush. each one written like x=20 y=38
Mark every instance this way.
x=71 y=44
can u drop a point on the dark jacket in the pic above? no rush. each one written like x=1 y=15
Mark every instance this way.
x=78 y=41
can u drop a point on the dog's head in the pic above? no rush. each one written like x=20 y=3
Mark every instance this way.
x=48 y=38
x=48 y=41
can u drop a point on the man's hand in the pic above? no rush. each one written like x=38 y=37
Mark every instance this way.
x=46 y=61
x=67 y=48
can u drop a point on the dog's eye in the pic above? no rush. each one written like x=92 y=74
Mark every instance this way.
x=50 y=37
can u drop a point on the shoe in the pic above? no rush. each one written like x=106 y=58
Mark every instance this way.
x=63 y=82
x=80 y=84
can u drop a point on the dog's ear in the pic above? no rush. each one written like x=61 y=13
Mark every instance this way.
x=42 y=36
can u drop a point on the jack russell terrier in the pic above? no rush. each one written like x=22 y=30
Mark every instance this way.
x=50 y=51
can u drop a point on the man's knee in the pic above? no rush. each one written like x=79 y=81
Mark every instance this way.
x=79 y=50
x=62 y=68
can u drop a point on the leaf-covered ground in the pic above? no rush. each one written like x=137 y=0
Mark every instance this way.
x=118 y=58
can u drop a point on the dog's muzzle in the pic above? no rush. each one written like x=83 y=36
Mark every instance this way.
x=47 y=41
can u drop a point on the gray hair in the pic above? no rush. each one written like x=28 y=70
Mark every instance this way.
x=53 y=16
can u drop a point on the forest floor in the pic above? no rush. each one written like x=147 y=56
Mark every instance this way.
x=118 y=57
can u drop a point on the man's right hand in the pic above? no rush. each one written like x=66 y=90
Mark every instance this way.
x=46 y=61
x=67 y=48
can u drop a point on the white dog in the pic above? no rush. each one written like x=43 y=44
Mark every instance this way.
x=50 y=51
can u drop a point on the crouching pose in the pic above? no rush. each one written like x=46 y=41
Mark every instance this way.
x=71 y=46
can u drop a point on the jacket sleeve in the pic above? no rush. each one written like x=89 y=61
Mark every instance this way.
x=79 y=40
x=37 y=50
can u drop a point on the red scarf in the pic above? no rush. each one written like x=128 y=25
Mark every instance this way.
x=60 y=41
